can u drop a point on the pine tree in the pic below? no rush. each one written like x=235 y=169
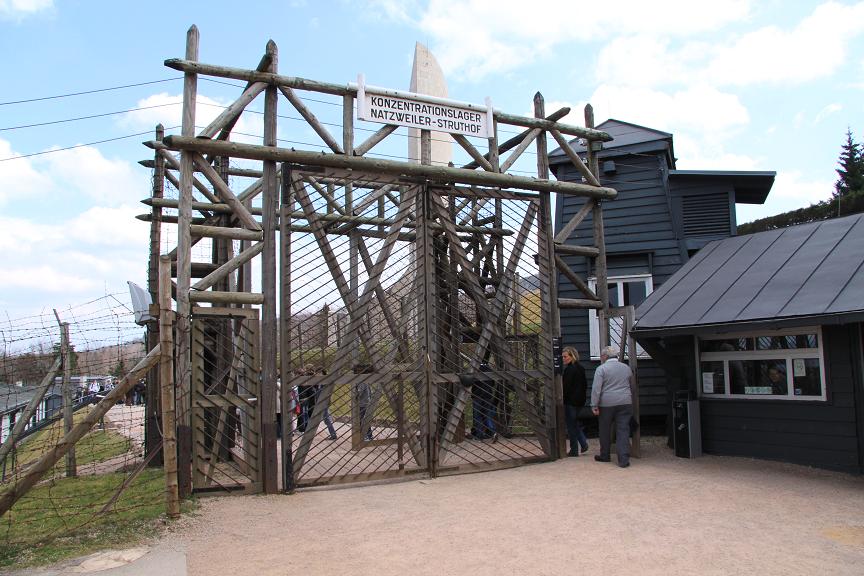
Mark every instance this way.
x=851 y=169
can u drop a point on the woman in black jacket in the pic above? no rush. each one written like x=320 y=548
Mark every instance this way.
x=575 y=387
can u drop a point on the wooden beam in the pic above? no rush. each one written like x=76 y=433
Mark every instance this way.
x=574 y=279
x=377 y=137
x=589 y=251
x=579 y=303
x=440 y=173
x=577 y=219
x=214 y=297
x=225 y=192
x=574 y=158
x=473 y=152
x=311 y=119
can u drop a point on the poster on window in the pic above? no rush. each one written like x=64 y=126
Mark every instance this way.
x=798 y=367
x=707 y=382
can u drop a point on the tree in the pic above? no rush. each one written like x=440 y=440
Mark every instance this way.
x=851 y=169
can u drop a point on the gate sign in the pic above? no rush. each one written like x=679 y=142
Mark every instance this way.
x=422 y=111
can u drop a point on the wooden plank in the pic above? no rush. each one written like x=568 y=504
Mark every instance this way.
x=437 y=173
x=225 y=269
x=574 y=250
x=574 y=158
x=574 y=279
x=240 y=298
x=377 y=137
x=529 y=138
x=473 y=152
x=232 y=112
x=311 y=119
x=514 y=141
x=165 y=155
x=223 y=232
x=237 y=208
x=577 y=219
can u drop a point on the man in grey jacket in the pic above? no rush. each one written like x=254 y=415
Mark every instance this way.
x=611 y=401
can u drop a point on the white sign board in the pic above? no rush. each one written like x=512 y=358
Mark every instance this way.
x=423 y=112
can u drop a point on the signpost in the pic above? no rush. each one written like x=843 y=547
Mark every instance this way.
x=425 y=112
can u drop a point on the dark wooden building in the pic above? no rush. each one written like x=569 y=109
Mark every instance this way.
x=660 y=218
x=766 y=329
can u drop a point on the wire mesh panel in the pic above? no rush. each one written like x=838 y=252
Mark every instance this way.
x=414 y=328
x=226 y=433
x=353 y=363
x=485 y=331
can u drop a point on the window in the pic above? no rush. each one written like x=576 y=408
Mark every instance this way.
x=782 y=365
x=623 y=291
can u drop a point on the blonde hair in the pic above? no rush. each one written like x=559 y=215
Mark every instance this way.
x=571 y=351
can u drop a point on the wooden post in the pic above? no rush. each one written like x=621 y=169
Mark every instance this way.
x=152 y=440
x=68 y=397
x=551 y=319
x=166 y=379
x=184 y=270
x=268 y=285
x=285 y=209
x=636 y=442
x=599 y=240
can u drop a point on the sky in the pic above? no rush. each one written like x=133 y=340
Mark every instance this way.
x=741 y=85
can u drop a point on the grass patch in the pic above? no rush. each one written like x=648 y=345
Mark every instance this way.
x=60 y=520
x=96 y=446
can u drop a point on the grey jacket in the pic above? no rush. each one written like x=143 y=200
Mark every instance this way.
x=611 y=386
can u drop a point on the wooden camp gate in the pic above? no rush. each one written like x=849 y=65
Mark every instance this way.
x=434 y=276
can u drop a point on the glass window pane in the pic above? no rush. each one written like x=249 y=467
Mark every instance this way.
x=806 y=377
x=711 y=374
x=635 y=293
x=790 y=342
x=726 y=345
x=613 y=294
x=758 y=377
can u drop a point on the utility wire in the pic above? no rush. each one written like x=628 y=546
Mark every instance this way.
x=89 y=117
x=81 y=145
x=89 y=91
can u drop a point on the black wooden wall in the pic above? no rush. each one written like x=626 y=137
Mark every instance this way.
x=824 y=434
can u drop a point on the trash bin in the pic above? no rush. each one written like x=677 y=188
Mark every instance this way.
x=687 y=425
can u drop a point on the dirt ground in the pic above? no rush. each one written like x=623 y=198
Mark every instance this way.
x=663 y=515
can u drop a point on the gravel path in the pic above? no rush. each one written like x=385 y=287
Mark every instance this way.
x=663 y=515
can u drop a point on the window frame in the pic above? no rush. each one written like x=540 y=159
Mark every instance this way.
x=594 y=322
x=789 y=355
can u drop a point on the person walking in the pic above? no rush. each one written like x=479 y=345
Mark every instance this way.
x=612 y=402
x=575 y=387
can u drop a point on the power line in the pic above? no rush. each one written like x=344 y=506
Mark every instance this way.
x=81 y=145
x=89 y=91
x=88 y=117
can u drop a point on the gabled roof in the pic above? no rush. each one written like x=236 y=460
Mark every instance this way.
x=802 y=275
x=751 y=187
x=623 y=133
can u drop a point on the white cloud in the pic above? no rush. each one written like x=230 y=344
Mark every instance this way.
x=167 y=109
x=17 y=9
x=84 y=173
x=20 y=179
x=476 y=38
x=827 y=111
x=814 y=49
x=701 y=109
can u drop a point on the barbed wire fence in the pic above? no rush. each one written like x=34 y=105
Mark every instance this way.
x=59 y=371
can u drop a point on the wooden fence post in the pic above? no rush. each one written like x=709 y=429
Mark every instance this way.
x=166 y=379
x=68 y=397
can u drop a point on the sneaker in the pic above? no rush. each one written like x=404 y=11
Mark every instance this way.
x=623 y=464
x=332 y=437
x=585 y=449
x=599 y=458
